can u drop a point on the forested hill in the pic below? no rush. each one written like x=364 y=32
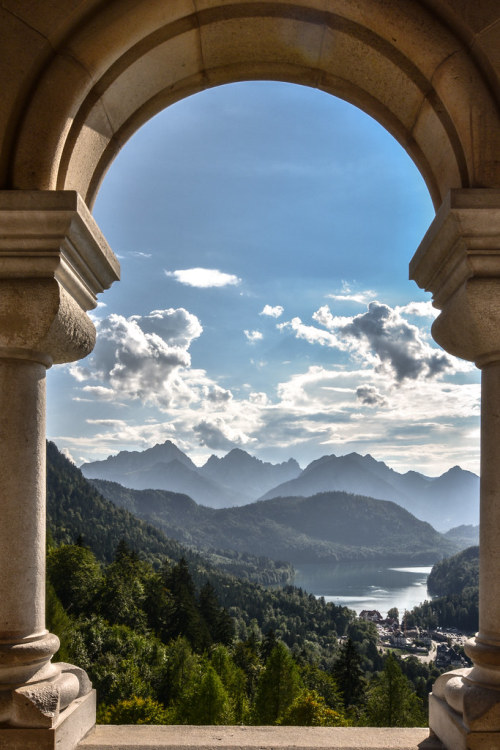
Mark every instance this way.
x=75 y=509
x=453 y=575
x=330 y=526
x=455 y=581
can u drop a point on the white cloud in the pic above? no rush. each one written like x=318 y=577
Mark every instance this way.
x=66 y=452
x=272 y=312
x=418 y=309
x=253 y=336
x=140 y=254
x=142 y=357
x=310 y=333
x=380 y=338
x=217 y=435
x=203 y=277
x=347 y=295
x=370 y=396
x=392 y=395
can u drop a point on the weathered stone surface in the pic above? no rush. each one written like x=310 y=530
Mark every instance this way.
x=459 y=261
x=426 y=71
x=72 y=725
x=257 y=738
x=53 y=263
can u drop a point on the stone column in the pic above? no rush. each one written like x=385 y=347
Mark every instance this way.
x=459 y=262
x=53 y=262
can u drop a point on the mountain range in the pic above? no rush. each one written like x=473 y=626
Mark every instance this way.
x=238 y=479
x=327 y=527
x=77 y=512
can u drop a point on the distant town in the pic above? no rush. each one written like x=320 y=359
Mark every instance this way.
x=443 y=647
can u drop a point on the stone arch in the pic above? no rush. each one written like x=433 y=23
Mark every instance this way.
x=395 y=60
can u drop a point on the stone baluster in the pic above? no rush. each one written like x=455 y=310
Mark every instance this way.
x=53 y=262
x=459 y=262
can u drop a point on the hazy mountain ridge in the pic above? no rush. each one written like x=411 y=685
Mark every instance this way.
x=235 y=479
x=446 y=501
x=75 y=509
x=239 y=468
x=239 y=478
x=332 y=526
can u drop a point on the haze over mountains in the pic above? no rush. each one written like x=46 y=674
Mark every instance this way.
x=238 y=479
x=326 y=528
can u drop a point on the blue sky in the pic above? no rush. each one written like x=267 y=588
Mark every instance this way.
x=264 y=232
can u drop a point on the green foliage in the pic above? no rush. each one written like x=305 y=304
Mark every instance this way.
x=349 y=675
x=324 y=684
x=182 y=642
x=279 y=684
x=120 y=662
x=303 y=622
x=59 y=622
x=76 y=509
x=75 y=575
x=454 y=574
x=391 y=700
x=456 y=581
x=393 y=613
x=124 y=593
x=309 y=709
x=209 y=701
x=134 y=711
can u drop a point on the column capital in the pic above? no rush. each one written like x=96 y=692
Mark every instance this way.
x=459 y=262
x=54 y=261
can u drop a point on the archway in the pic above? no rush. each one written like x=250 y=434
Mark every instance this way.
x=397 y=62
x=83 y=80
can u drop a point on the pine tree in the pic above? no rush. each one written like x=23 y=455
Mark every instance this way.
x=124 y=594
x=278 y=685
x=392 y=701
x=185 y=619
x=349 y=675
x=76 y=577
x=210 y=701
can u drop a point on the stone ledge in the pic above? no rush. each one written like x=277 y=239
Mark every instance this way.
x=257 y=738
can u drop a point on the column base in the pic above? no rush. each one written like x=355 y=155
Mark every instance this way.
x=73 y=724
x=464 y=715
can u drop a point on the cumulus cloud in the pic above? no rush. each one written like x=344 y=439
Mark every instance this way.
x=214 y=394
x=142 y=357
x=310 y=333
x=217 y=435
x=383 y=332
x=370 y=396
x=380 y=337
x=253 y=336
x=203 y=278
x=272 y=312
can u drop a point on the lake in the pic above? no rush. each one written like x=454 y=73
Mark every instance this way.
x=366 y=585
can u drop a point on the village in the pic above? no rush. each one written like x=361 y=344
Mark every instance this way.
x=443 y=647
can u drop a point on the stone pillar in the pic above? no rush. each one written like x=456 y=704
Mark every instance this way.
x=459 y=262
x=53 y=262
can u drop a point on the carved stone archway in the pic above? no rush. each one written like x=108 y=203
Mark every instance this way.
x=79 y=77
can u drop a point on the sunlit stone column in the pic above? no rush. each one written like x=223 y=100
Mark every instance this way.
x=459 y=262
x=53 y=262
